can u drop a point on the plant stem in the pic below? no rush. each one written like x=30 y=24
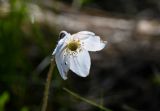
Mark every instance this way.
x=86 y=100
x=47 y=85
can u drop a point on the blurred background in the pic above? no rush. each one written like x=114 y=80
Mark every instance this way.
x=125 y=76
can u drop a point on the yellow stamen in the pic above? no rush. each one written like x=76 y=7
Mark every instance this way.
x=73 y=45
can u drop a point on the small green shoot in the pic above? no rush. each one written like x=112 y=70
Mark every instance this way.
x=86 y=100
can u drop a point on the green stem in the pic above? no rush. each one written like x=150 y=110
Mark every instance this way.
x=86 y=100
x=47 y=85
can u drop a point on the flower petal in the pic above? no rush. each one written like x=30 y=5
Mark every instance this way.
x=93 y=43
x=63 y=67
x=81 y=63
x=90 y=41
x=86 y=33
x=82 y=35
x=60 y=58
x=61 y=43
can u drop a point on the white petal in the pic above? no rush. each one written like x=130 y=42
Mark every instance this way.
x=60 y=58
x=93 y=43
x=86 y=33
x=63 y=67
x=82 y=35
x=81 y=63
x=61 y=43
x=59 y=46
x=90 y=41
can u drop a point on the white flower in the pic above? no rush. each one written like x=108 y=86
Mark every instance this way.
x=72 y=52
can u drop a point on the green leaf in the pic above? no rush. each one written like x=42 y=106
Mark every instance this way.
x=4 y=98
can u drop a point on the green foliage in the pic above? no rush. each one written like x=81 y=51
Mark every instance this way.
x=101 y=107
x=156 y=79
x=24 y=109
x=4 y=98
x=16 y=49
x=11 y=41
x=84 y=2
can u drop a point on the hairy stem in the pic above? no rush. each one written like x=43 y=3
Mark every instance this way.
x=47 y=85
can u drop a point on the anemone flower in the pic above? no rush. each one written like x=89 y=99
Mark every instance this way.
x=72 y=53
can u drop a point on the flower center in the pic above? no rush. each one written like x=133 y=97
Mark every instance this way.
x=73 y=45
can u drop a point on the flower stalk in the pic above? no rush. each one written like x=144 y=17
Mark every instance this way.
x=47 y=85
